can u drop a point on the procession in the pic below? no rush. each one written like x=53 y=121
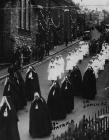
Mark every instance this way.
x=66 y=82
x=54 y=67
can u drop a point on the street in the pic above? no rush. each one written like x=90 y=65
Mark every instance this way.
x=78 y=111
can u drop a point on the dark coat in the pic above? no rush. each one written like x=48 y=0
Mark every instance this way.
x=8 y=124
x=55 y=103
x=89 y=84
x=68 y=98
x=39 y=121
x=76 y=81
x=32 y=85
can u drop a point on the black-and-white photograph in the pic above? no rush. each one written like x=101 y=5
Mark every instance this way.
x=54 y=69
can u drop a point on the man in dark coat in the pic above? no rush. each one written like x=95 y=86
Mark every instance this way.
x=55 y=102
x=31 y=84
x=66 y=91
x=39 y=123
x=8 y=120
x=76 y=81
x=89 y=83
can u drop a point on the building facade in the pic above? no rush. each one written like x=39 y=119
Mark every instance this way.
x=22 y=21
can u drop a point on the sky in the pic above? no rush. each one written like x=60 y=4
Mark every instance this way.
x=93 y=4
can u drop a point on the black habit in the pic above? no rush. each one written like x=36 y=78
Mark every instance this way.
x=39 y=121
x=21 y=84
x=13 y=90
x=32 y=84
x=68 y=98
x=89 y=84
x=8 y=122
x=55 y=103
x=76 y=81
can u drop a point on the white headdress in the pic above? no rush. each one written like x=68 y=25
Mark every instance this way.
x=36 y=94
x=29 y=68
x=4 y=100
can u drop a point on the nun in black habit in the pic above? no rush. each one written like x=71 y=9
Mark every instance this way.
x=31 y=83
x=12 y=89
x=89 y=83
x=76 y=81
x=21 y=84
x=55 y=102
x=39 y=122
x=8 y=120
x=68 y=98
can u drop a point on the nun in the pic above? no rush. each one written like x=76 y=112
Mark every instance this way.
x=21 y=84
x=76 y=81
x=11 y=88
x=8 y=120
x=89 y=83
x=39 y=119
x=31 y=83
x=68 y=98
x=55 y=102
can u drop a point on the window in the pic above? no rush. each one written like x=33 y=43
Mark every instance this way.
x=24 y=15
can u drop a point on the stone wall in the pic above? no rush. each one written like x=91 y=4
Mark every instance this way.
x=12 y=38
x=19 y=38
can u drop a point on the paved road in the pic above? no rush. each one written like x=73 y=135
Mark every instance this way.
x=44 y=83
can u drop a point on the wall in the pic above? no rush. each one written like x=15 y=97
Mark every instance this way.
x=11 y=36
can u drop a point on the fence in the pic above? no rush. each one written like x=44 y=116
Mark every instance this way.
x=91 y=128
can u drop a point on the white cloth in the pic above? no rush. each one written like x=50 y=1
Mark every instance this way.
x=52 y=75
x=62 y=64
x=68 y=63
x=58 y=68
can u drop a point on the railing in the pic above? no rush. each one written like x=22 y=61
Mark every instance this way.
x=91 y=128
